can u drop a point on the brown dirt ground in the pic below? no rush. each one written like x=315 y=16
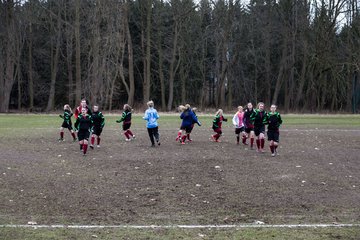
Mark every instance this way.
x=315 y=179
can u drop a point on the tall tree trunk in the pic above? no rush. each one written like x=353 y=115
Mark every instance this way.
x=7 y=81
x=202 y=66
x=300 y=94
x=183 y=83
x=69 y=55
x=159 y=26
x=161 y=75
x=77 y=51
x=280 y=77
x=2 y=85
x=230 y=93
x=255 y=63
x=267 y=45
x=69 y=35
x=173 y=69
x=222 y=78
x=147 y=58
x=95 y=53
x=121 y=65
x=161 y=67
x=18 y=72
x=112 y=89
x=130 y=60
x=30 y=69
x=54 y=67
x=289 y=90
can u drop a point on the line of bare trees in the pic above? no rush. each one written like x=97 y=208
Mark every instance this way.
x=303 y=55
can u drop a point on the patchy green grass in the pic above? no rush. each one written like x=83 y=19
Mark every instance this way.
x=175 y=233
x=11 y=121
x=321 y=121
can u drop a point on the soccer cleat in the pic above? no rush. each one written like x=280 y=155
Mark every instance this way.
x=237 y=143
x=245 y=144
x=158 y=142
x=128 y=139
x=182 y=143
x=98 y=146
x=177 y=138
x=133 y=137
x=152 y=145
x=75 y=139
x=273 y=154
x=190 y=140
x=213 y=138
x=61 y=139
x=262 y=150
x=92 y=146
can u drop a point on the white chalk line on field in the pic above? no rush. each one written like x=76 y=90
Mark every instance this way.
x=239 y=226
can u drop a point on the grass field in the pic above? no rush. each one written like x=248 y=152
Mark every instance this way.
x=315 y=179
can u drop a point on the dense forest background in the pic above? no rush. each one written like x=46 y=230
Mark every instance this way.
x=303 y=55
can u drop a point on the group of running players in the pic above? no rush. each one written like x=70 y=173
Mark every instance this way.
x=249 y=123
x=87 y=122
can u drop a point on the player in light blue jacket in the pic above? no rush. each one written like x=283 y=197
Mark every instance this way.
x=151 y=116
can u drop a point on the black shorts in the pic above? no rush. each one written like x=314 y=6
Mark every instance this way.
x=273 y=135
x=126 y=126
x=66 y=125
x=83 y=134
x=259 y=129
x=249 y=129
x=97 y=130
x=188 y=129
x=239 y=130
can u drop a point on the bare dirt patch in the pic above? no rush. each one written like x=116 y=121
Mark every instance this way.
x=315 y=179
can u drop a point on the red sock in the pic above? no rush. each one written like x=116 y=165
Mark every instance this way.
x=262 y=141
x=258 y=143
x=85 y=148
x=73 y=135
x=188 y=136
x=130 y=133
x=126 y=135
x=61 y=134
x=92 y=140
x=251 y=142
x=98 y=141
x=183 y=138
x=244 y=139
x=217 y=136
x=179 y=134
x=272 y=148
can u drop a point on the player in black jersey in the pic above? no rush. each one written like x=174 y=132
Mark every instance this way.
x=98 y=125
x=249 y=124
x=273 y=120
